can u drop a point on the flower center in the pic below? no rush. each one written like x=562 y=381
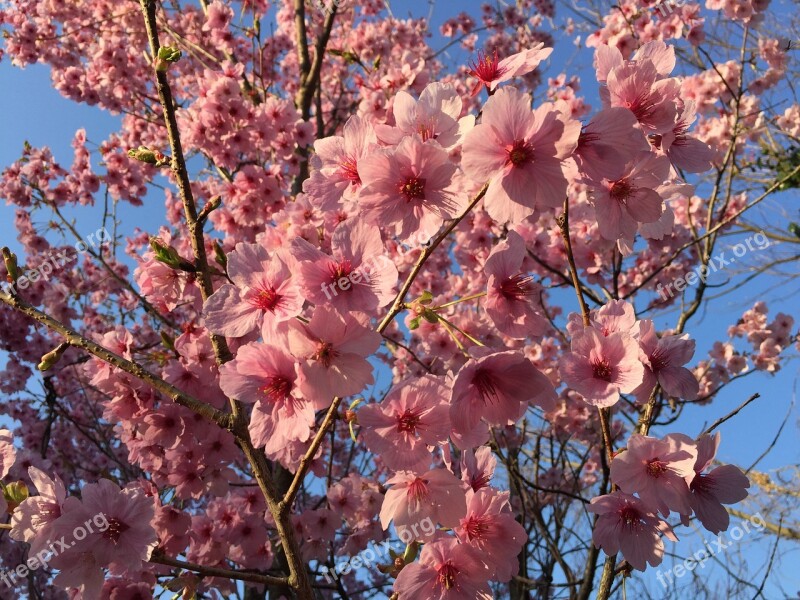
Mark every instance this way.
x=621 y=190
x=658 y=361
x=267 y=299
x=486 y=384
x=349 y=170
x=487 y=68
x=407 y=421
x=341 y=269
x=325 y=353
x=115 y=529
x=601 y=370
x=447 y=575
x=418 y=490
x=518 y=287
x=586 y=138
x=413 y=189
x=427 y=130
x=519 y=153
x=479 y=480
x=476 y=527
x=642 y=106
x=277 y=388
x=630 y=517
x=655 y=468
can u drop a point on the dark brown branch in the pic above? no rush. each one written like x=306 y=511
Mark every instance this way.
x=161 y=559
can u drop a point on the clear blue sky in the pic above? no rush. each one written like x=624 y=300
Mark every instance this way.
x=31 y=110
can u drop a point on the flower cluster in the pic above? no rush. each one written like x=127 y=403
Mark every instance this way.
x=362 y=328
x=668 y=474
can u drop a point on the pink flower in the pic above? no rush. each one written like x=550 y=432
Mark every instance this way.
x=608 y=143
x=665 y=356
x=335 y=164
x=165 y=426
x=446 y=570
x=122 y=535
x=522 y=152
x=657 y=53
x=725 y=484
x=477 y=468
x=638 y=87
x=412 y=416
x=410 y=188
x=436 y=494
x=359 y=276
x=264 y=292
x=616 y=316
x=81 y=570
x=513 y=300
x=490 y=528
x=658 y=470
x=686 y=152
x=601 y=367
x=490 y=71
x=32 y=519
x=435 y=116
x=8 y=454
x=628 y=525
x=494 y=389
x=267 y=376
x=622 y=204
x=333 y=348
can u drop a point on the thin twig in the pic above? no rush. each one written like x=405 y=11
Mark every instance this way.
x=161 y=559
x=720 y=421
x=75 y=339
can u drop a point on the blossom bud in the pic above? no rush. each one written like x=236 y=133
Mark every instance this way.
x=209 y=207
x=167 y=55
x=168 y=341
x=411 y=553
x=52 y=357
x=15 y=494
x=170 y=257
x=151 y=157
x=219 y=255
x=11 y=265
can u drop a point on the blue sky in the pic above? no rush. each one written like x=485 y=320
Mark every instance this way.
x=31 y=110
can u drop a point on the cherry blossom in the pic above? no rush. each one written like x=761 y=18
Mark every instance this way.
x=410 y=419
x=725 y=484
x=658 y=470
x=490 y=70
x=446 y=570
x=436 y=494
x=494 y=388
x=522 y=152
x=626 y=524
x=333 y=349
x=600 y=368
x=264 y=292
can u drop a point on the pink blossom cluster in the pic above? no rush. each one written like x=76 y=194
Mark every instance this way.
x=665 y=475
x=393 y=170
x=618 y=354
x=107 y=528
